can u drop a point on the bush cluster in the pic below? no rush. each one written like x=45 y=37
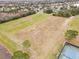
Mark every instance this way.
x=14 y=17
x=20 y=55
x=26 y=44
x=72 y=11
x=63 y=11
x=71 y=34
x=60 y=13
x=48 y=11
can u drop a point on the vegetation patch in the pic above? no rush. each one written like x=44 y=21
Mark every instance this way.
x=71 y=34
x=26 y=44
x=16 y=16
x=48 y=11
x=74 y=24
x=18 y=24
x=20 y=55
x=63 y=11
x=73 y=28
x=9 y=44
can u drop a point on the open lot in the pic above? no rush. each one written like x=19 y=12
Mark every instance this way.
x=46 y=37
x=8 y=29
x=45 y=32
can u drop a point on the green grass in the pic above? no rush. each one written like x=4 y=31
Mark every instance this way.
x=8 y=43
x=39 y=17
x=74 y=24
x=51 y=56
x=16 y=25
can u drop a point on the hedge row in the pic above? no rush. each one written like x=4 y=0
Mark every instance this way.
x=10 y=18
x=48 y=11
x=63 y=11
x=73 y=11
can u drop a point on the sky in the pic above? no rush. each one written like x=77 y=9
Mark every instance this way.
x=26 y=0
x=37 y=0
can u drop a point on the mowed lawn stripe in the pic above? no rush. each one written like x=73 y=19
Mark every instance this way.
x=18 y=24
x=9 y=44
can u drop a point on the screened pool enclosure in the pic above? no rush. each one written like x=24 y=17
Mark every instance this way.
x=69 y=52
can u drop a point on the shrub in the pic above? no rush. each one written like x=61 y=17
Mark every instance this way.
x=10 y=18
x=67 y=12
x=71 y=34
x=48 y=11
x=26 y=44
x=20 y=55
x=74 y=11
x=30 y=13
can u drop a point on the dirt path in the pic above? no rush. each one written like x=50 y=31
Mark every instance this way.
x=46 y=38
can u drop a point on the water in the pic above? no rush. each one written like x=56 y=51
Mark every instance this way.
x=69 y=52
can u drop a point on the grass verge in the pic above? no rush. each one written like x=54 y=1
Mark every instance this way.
x=10 y=45
x=74 y=24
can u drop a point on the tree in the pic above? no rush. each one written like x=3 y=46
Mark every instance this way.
x=70 y=34
x=26 y=44
x=20 y=55
x=48 y=11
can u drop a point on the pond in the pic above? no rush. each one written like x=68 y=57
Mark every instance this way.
x=4 y=53
x=69 y=52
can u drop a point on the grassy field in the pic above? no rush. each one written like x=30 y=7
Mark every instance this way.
x=8 y=43
x=74 y=23
x=15 y=26
x=44 y=35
